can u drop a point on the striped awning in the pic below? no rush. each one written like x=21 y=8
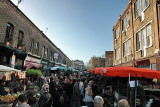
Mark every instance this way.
x=31 y=65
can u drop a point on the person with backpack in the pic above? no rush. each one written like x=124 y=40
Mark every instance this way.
x=59 y=99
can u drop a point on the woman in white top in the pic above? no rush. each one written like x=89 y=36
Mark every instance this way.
x=88 y=99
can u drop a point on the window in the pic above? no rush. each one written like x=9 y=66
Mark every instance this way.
x=138 y=41
x=140 y=6
x=9 y=33
x=127 y=47
x=126 y=22
x=32 y=45
x=20 y=38
x=144 y=38
x=46 y=53
x=117 y=33
x=148 y=36
x=43 y=52
x=51 y=56
x=117 y=53
x=37 y=48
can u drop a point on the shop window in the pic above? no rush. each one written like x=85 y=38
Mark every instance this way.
x=153 y=67
x=20 y=38
x=9 y=33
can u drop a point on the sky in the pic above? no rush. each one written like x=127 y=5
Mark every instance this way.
x=80 y=28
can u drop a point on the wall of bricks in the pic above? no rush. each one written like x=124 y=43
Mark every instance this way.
x=12 y=14
x=150 y=16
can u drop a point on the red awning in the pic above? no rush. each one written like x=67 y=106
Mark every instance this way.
x=124 y=71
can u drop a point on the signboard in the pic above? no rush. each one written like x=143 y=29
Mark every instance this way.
x=13 y=60
x=56 y=55
x=132 y=83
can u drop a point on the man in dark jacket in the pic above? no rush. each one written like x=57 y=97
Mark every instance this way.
x=2 y=90
x=76 y=94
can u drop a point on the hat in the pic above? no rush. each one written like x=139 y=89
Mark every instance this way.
x=1 y=81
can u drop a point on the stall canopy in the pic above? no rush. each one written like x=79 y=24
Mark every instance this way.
x=6 y=68
x=60 y=68
x=31 y=64
x=125 y=71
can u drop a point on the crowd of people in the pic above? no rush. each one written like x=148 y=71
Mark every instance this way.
x=74 y=90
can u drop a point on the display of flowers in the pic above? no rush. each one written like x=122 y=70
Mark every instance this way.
x=7 y=98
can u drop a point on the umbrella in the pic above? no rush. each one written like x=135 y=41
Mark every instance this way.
x=124 y=71
x=5 y=68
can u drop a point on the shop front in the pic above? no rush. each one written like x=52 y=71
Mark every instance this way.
x=11 y=56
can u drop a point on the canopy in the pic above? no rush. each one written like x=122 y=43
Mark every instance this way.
x=124 y=71
x=6 y=68
x=31 y=64
x=60 y=68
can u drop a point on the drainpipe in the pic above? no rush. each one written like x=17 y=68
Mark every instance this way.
x=133 y=36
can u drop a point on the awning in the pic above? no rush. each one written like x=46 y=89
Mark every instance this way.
x=31 y=65
x=6 y=68
x=9 y=50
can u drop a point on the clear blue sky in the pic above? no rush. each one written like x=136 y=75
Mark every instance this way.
x=80 y=28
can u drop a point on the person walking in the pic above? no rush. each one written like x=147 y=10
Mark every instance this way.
x=123 y=103
x=76 y=94
x=46 y=98
x=22 y=101
x=98 y=101
x=88 y=99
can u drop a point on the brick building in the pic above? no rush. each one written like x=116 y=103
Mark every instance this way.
x=136 y=35
x=21 y=40
x=108 y=58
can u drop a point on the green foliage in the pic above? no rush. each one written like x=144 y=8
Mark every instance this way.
x=34 y=72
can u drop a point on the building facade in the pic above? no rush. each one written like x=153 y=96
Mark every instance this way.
x=109 y=58
x=78 y=65
x=136 y=35
x=21 y=40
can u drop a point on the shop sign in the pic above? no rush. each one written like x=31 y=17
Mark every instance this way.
x=30 y=59
x=13 y=60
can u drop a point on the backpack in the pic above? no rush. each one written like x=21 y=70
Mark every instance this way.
x=61 y=99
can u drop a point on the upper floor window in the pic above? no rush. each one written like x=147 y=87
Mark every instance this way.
x=126 y=22
x=20 y=38
x=9 y=33
x=117 y=53
x=51 y=56
x=43 y=52
x=37 y=48
x=127 y=47
x=138 y=41
x=140 y=6
x=32 y=45
x=46 y=53
x=117 y=33
x=144 y=38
